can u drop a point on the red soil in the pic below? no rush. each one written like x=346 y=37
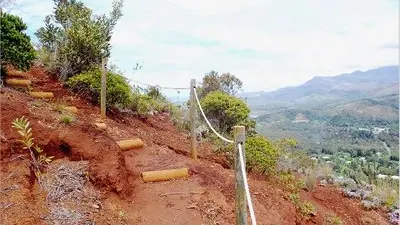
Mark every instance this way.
x=206 y=197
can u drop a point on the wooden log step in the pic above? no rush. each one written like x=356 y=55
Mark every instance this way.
x=163 y=175
x=16 y=73
x=130 y=144
x=18 y=82
x=71 y=109
x=42 y=94
x=101 y=126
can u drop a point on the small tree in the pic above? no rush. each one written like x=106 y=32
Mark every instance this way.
x=76 y=38
x=229 y=83
x=226 y=83
x=16 y=48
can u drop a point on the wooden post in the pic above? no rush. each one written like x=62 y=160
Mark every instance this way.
x=103 y=88
x=240 y=199
x=193 y=111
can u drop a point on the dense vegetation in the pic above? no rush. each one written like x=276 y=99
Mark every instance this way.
x=350 y=143
x=15 y=45
x=73 y=44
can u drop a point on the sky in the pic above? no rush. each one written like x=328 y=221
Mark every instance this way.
x=268 y=44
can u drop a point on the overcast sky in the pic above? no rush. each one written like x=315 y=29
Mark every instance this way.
x=268 y=44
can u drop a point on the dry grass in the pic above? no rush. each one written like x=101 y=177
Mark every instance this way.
x=310 y=179
x=387 y=190
x=70 y=197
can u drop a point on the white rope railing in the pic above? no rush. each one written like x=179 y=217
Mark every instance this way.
x=241 y=158
x=246 y=186
x=205 y=118
x=161 y=87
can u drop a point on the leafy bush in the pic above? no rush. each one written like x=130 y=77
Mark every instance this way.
x=155 y=93
x=118 y=93
x=224 y=110
x=333 y=220
x=75 y=38
x=290 y=183
x=67 y=119
x=142 y=104
x=305 y=208
x=16 y=48
x=261 y=154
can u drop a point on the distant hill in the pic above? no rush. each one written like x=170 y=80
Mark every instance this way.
x=367 y=108
x=382 y=81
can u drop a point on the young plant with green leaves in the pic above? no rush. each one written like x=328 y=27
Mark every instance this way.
x=38 y=158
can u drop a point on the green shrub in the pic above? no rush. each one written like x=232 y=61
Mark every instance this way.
x=225 y=110
x=294 y=197
x=143 y=104
x=155 y=93
x=118 y=92
x=333 y=220
x=306 y=209
x=67 y=119
x=16 y=47
x=161 y=104
x=289 y=182
x=261 y=154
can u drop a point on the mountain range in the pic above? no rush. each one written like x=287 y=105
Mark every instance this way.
x=374 y=83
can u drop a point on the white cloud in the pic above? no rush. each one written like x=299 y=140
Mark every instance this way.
x=267 y=44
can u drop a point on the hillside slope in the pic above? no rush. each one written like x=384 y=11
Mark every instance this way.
x=206 y=197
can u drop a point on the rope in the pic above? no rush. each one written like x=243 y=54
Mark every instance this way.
x=149 y=85
x=246 y=186
x=205 y=118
